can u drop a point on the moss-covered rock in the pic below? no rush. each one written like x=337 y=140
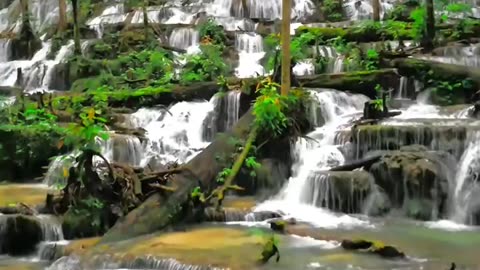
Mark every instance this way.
x=373 y=247
x=416 y=181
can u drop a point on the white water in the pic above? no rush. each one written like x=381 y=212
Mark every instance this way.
x=363 y=10
x=112 y=15
x=337 y=109
x=466 y=199
x=175 y=135
x=250 y=49
x=184 y=38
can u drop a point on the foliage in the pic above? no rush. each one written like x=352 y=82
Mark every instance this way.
x=271 y=109
x=298 y=48
x=372 y=60
x=84 y=135
x=213 y=32
x=418 y=27
x=205 y=66
x=332 y=10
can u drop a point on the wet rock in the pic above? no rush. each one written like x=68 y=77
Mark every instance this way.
x=19 y=234
x=373 y=247
x=415 y=181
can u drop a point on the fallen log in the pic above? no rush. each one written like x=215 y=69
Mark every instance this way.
x=366 y=163
x=158 y=212
x=362 y=82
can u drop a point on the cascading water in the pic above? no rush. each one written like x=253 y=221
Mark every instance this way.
x=331 y=112
x=173 y=135
x=250 y=49
x=466 y=197
x=111 y=15
x=184 y=38
x=225 y=114
x=363 y=10
x=5 y=50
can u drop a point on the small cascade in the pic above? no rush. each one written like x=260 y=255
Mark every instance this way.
x=125 y=149
x=466 y=197
x=250 y=49
x=5 y=50
x=51 y=228
x=103 y=261
x=332 y=111
x=225 y=114
x=272 y=9
x=335 y=60
x=402 y=88
x=304 y=67
x=363 y=10
x=42 y=74
x=110 y=16
x=176 y=135
x=184 y=38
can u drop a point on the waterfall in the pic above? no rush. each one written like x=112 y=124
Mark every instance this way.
x=42 y=74
x=272 y=9
x=225 y=114
x=184 y=38
x=304 y=67
x=125 y=149
x=175 y=134
x=335 y=60
x=466 y=197
x=5 y=50
x=56 y=173
x=363 y=10
x=336 y=109
x=110 y=16
x=402 y=89
x=250 y=49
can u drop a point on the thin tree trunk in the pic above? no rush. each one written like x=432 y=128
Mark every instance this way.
x=430 y=26
x=76 y=29
x=145 y=18
x=62 y=13
x=376 y=10
x=286 y=10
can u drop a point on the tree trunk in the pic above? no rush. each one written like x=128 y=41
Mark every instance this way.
x=158 y=212
x=376 y=10
x=76 y=29
x=286 y=10
x=145 y=19
x=62 y=14
x=429 y=27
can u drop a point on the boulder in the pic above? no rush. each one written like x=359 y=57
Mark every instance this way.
x=19 y=234
x=414 y=180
